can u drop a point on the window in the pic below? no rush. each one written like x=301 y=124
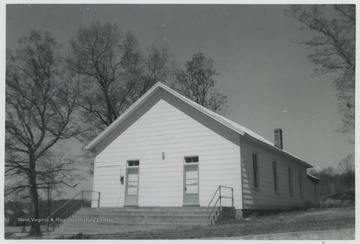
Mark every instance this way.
x=290 y=183
x=275 y=176
x=255 y=170
x=194 y=159
x=300 y=185
x=133 y=163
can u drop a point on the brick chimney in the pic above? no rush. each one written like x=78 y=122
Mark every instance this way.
x=278 y=138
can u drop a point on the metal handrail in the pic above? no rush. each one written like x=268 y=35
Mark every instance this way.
x=218 y=190
x=68 y=202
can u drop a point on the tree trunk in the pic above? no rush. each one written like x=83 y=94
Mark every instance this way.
x=49 y=200
x=35 y=225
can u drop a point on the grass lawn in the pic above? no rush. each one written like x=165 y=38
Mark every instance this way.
x=308 y=220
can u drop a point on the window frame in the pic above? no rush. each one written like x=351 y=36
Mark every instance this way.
x=300 y=185
x=255 y=165
x=290 y=182
x=191 y=162
x=133 y=161
x=275 y=176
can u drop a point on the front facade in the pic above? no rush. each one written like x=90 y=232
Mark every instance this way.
x=165 y=150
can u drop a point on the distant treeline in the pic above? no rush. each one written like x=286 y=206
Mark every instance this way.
x=335 y=181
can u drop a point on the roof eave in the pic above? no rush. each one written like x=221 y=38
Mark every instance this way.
x=91 y=146
x=280 y=151
x=314 y=177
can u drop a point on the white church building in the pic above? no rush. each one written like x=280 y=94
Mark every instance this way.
x=167 y=150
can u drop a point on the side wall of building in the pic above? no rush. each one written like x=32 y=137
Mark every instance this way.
x=294 y=192
x=311 y=192
x=160 y=135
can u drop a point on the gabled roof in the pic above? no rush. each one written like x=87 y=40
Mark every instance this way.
x=219 y=118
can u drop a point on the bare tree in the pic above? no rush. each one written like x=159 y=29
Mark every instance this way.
x=332 y=28
x=59 y=171
x=40 y=104
x=114 y=72
x=340 y=180
x=197 y=82
x=346 y=167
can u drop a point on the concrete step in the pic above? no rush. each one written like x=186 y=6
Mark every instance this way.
x=127 y=223
x=137 y=219
x=141 y=211
x=134 y=214
x=114 y=229
x=185 y=208
x=119 y=220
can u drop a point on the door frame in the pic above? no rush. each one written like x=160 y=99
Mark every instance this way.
x=128 y=168
x=184 y=180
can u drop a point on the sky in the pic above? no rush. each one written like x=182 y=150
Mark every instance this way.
x=263 y=70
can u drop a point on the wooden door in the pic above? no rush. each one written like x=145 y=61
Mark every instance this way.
x=191 y=184
x=132 y=187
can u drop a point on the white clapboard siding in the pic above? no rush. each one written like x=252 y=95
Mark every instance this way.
x=165 y=128
x=265 y=196
x=310 y=192
x=107 y=182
